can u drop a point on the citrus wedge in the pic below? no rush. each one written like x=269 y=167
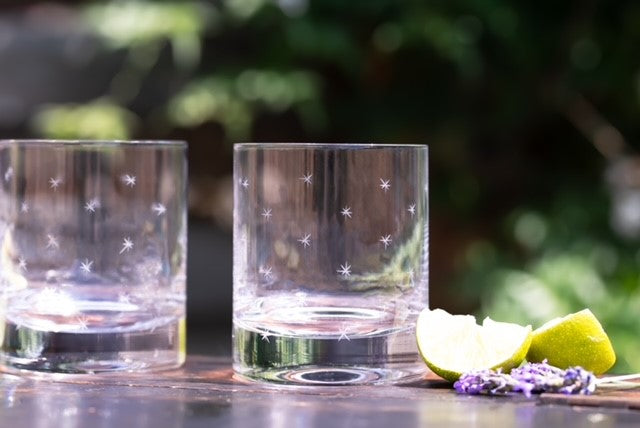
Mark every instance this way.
x=454 y=344
x=575 y=340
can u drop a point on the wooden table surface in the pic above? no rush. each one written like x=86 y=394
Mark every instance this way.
x=205 y=394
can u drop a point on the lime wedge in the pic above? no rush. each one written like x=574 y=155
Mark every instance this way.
x=454 y=344
x=575 y=340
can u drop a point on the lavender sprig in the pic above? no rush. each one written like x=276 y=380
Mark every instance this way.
x=528 y=379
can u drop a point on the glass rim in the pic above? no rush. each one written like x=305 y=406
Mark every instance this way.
x=89 y=142
x=295 y=145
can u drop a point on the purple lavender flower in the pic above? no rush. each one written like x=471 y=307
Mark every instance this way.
x=485 y=382
x=528 y=379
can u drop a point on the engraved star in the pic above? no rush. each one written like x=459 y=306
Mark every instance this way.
x=127 y=245
x=244 y=182
x=306 y=178
x=265 y=337
x=343 y=333
x=52 y=242
x=22 y=264
x=158 y=208
x=91 y=205
x=266 y=213
x=386 y=240
x=129 y=180
x=24 y=207
x=412 y=209
x=86 y=266
x=266 y=272
x=345 y=270
x=54 y=183
x=124 y=298
x=305 y=240
x=82 y=322
x=346 y=211
x=8 y=174
x=385 y=184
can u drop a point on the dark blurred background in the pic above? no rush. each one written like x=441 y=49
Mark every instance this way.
x=530 y=109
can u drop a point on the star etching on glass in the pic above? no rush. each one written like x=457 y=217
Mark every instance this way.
x=24 y=207
x=265 y=336
x=346 y=212
x=127 y=245
x=91 y=205
x=266 y=213
x=129 y=180
x=244 y=182
x=305 y=240
x=306 y=178
x=345 y=270
x=344 y=329
x=124 y=298
x=266 y=272
x=385 y=184
x=52 y=242
x=386 y=240
x=54 y=183
x=86 y=266
x=82 y=322
x=158 y=208
x=22 y=264
x=412 y=209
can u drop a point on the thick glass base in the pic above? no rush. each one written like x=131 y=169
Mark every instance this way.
x=327 y=360
x=159 y=348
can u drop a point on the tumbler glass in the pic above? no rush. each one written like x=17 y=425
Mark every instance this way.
x=92 y=255
x=330 y=263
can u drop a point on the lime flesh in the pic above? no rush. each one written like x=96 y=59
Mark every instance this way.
x=454 y=344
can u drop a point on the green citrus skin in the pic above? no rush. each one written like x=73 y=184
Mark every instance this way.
x=575 y=340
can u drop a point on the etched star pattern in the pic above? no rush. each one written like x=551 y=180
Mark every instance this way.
x=127 y=245
x=158 y=208
x=412 y=209
x=52 y=242
x=305 y=240
x=22 y=264
x=124 y=298
x=346 y=212
x=91 y=205
x=345 y=270
x=265 y=337
x=266 y=271
x=86 y=266
x=343 y=333
x=385 y=184
x=244 y=182
x=24 y=207
x=54 y=183
x=386 y=240
x=129 y=180
x=82 y=323
x=307 y=179
x=266 y=213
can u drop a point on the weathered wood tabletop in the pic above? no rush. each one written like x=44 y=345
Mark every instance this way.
x=205 y=393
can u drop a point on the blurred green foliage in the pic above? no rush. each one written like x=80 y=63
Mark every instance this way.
x=556 y=263
x=512 y=98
